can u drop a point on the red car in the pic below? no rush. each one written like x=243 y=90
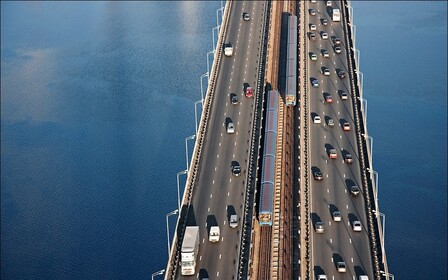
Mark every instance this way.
x=328 y=99
x=333 y=154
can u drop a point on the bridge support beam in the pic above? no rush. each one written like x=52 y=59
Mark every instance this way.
x=178 y=187
x=168 y=229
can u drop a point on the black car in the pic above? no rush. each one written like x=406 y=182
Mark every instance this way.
x=312 y=12
x=236 y=170
x=341 y=74
x=354 y=190
x=313 y=36
x=336 y=40
x=324 y=21
x=234 y=99
x=318 y=176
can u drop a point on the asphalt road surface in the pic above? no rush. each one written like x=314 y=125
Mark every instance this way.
x=339 y=242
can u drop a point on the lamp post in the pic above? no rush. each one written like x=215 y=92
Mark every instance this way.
x=202 y=90
x=168 y=229
x=178 y=188
x=208 y=63
x=222 y=14
x=196 y=113
x=186 y=146
x=388 y=275
x=213 y=35
x=371 y=150
x=157 y=273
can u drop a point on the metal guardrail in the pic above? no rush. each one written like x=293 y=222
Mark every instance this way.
x=173 y=262
x=362 y=138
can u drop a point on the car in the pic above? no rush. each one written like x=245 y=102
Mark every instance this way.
x=312 y=12
x=325 y=53
x=315 y=83
x=341 y=74
x=348 y=158
x=337 y=217
x=363 y=277
x=337 y=49
x=230 y=128
x=357 y=226
x=337 y=40
x=234 y=99
x=313 y=1
x=233 y=223
x=322 y=277
x=319 y=226
x=325 y=71
x=312 y=36
x=344 y=95
x=318 y=176
x=328 y=3
x=354 y=190
x=341 y=266
x=313 y=56
x=346 y=126
x=246 y=16
x=313 y=27
x=236 y=169
x=324 y=21
x=333 y=154
x=330 y=121
x=324 y=35
x=328 y=99
x=248 y=92
x=316 y=119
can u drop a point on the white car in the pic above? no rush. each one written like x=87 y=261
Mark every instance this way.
x=341 y=267
x=317 y=119
x=313 y=27
x=322 y=277
x=337 y=217
x=325 y=53
x=328 y=3
x=324 y=35
x=230 y=128
x=357 y=226
x=326 y=71
x=344 y=95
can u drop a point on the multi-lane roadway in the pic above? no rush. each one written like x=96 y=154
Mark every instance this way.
x=339 y=242
x=218 y=193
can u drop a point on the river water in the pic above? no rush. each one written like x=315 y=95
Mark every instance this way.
x=97 y=99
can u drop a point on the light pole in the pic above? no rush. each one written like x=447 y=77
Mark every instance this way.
x=178 y=188
x=196 y=113
x=202 y=90
x=358 y=56
x=371 y=150
x=208 y=63
x=375 y=184
x=222 y=14
x=364 y=109
x=213 y=35
x=186 y=146
x=157 y=273
x=168 y=229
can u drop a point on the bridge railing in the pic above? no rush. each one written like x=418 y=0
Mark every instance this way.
x=174 y=258
x=374 y=225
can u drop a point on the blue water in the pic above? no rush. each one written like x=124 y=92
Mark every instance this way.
x=97 y=99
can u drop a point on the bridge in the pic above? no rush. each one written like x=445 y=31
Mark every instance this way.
x=282 y=144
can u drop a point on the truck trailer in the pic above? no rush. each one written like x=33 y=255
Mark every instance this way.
x=189 y=251
x=336 y=15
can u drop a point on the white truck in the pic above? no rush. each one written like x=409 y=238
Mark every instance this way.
x=189 y=251
x=214 y=234
x=336 y=15
x=228 y=49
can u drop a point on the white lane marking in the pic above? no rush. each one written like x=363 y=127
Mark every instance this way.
x=208 y=209
x=233 y=155
x=220 y=144
x=217 y=156
x=344 y=175
x=328 y=190
x=211 y=195
x=345 y=191
x=348 y=223
x=340 y=136
x=213 y=182
x=228 y=194
x=221 y=132
x=230 y=180
x=215 y=168
x=235 y=144
x=219 y=256
x=352 y=259
x=350 y=240
x=239 y=113
x=200 y=257
x=346 y=206
x=331 y=240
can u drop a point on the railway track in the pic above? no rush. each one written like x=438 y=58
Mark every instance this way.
x=265 y=259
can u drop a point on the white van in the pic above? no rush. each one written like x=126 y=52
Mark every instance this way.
x=214 y=234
